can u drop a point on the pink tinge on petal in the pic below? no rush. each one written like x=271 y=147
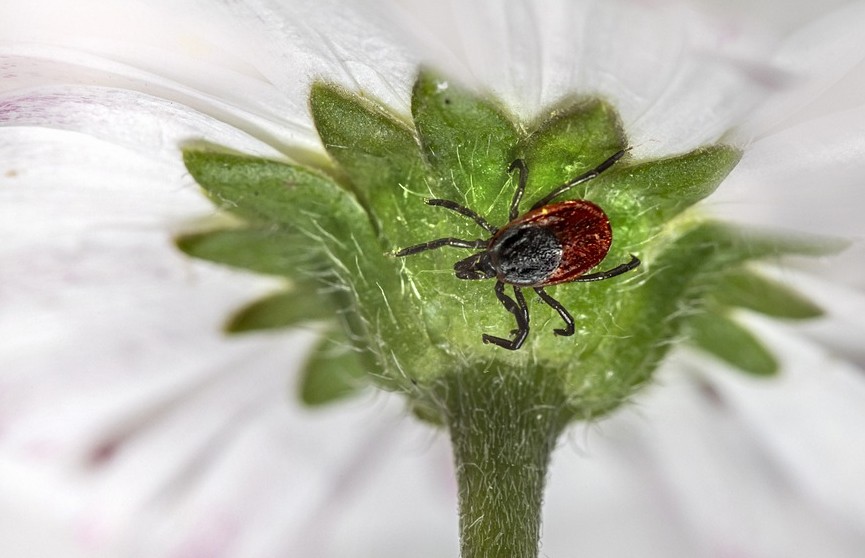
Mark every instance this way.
x=95 y=533
x=147 y=124
x=211 y=539
x=251 y=105
x=104 y=316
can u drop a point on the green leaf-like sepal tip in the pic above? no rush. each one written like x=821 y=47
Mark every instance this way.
x=334 y=370
x=727 y=340
x=408 y=324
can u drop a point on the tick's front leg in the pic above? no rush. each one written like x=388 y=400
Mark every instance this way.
x=439 y=243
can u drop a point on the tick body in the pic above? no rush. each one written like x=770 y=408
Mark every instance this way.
x=552 y=243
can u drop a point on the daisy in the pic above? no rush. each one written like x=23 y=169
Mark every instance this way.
x=131 y=425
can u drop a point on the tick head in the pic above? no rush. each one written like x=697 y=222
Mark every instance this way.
x=475 y=267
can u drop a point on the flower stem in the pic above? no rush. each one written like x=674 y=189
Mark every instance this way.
x=503 y=426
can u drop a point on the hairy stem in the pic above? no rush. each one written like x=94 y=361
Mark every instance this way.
x=503 y=426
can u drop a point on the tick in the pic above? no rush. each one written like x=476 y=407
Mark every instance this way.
x=551 y=244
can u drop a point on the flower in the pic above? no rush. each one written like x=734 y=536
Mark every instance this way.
x=130 y=425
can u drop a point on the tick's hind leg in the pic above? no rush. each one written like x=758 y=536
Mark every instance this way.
x=520 y=310
x=563 y=312
x=610 y=273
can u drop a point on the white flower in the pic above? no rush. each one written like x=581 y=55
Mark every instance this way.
x=131 y=426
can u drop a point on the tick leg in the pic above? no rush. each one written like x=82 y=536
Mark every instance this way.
x=618 y=270
x=464 y=211
x=433 y=244
x=557 y=306
x=521 y=187
x=520 y=310
x=585 y=177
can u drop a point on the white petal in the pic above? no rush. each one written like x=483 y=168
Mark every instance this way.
x=156 y=36
x=606 y=497
x=842 y=328
x=38 y=75
x=95 y=288
x=96 y=291
x=807 y=177
x=151 y=126
x=296 y=42
x=130 y=425
x=271 y=481
x=720 y=465
x=809 y=419
x=826 y=62
x=680 y=79
x=183 y=51
x=143 y=429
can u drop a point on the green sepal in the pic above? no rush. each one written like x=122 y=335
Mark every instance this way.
x=747 y=289
x=333 y=371
x=273 y=193
x=663 y=188
x=379 y=154
x=268 y=250
x=719 y=335
x=469 y=142
x=576 y=138
x=336 y=228
x=284 y=309
x=621 y=353
x=737 y=243
x=425 y=411
x=417 y=321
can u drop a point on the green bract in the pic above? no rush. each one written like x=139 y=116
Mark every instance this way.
x=410 y=320
x=407 y=324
